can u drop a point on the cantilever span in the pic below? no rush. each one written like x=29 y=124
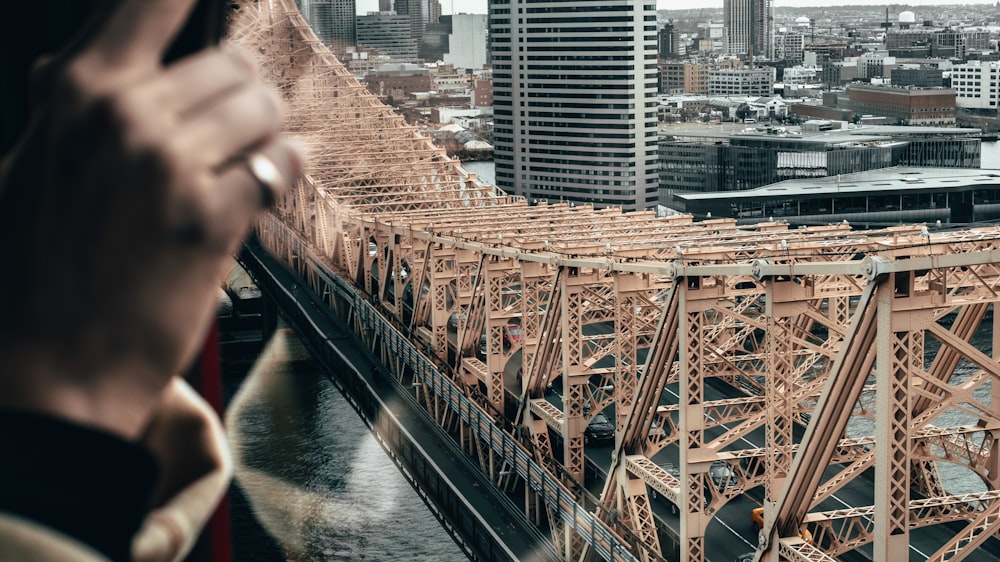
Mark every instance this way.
x=795 y=368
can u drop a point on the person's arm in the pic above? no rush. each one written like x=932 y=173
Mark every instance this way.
x=120 y=207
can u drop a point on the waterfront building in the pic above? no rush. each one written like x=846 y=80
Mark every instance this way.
x=908 y=106
x=749 y=27
x=866 y=199
x=741 y=81
x=389 y=34
x=574 y=100
x=482 y=92
x=976 y=84
x=705 y=161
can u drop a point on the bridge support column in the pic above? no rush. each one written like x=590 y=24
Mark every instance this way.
x=500 y=274
x=783 y=306
x=441 y=274
x=900 y=355
x=576 y=383
x=629 y=307
x=993 y=464
x=694 y=459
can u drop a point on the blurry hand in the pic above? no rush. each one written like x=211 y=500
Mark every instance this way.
x=119 y=209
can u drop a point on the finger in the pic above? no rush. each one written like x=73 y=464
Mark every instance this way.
x=245 y=118
x=193 y=83
x=239 y=194
x=138 y=33
x=216 y=216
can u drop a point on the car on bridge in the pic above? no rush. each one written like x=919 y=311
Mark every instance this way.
x=457 y=318
x=599 y=430
x=757 y=520
x=722 y=475
x=512 y=334
x=484 y=349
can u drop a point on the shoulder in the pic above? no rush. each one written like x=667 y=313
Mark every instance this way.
x=26 y=541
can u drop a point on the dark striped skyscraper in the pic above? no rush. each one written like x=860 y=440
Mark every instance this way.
x=575 y=100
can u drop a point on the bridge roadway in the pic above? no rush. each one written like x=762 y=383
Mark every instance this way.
x=816 y=325
x=733 y=534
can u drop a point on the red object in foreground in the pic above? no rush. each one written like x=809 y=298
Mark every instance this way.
x=209 y=384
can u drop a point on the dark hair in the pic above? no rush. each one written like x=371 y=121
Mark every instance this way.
x=27 y=31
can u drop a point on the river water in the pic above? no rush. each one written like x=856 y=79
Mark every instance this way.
x=311 y=477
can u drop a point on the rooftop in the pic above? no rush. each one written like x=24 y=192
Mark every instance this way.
x=868 y=133
x=899 y=178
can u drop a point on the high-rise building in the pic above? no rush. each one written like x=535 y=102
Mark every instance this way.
x=389 y=34
x=333 y=21
x=749 y=27
x=574 y=100
x=669 y=42
x=467 y=41
x=421 y=13
x=434 y=42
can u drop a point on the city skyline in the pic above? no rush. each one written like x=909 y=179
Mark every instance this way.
x=480 y=6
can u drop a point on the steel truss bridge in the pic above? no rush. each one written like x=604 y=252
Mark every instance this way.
x=847 y=351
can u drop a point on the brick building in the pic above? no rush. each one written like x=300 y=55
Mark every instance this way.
x=398 y=83
x=684 y=78
x=909 y=106
x=482 y=92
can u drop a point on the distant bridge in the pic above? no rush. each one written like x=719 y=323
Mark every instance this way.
x=797 y=368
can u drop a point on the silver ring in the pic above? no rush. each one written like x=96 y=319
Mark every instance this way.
x=267 y=175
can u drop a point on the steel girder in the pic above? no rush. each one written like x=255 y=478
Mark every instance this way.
x=778 y=315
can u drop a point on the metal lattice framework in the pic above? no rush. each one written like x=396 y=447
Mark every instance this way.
x=808 y=331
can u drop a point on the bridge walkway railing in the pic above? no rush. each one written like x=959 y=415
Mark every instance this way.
x=509 y=450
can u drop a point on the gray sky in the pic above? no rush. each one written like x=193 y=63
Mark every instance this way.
x=479 y=6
